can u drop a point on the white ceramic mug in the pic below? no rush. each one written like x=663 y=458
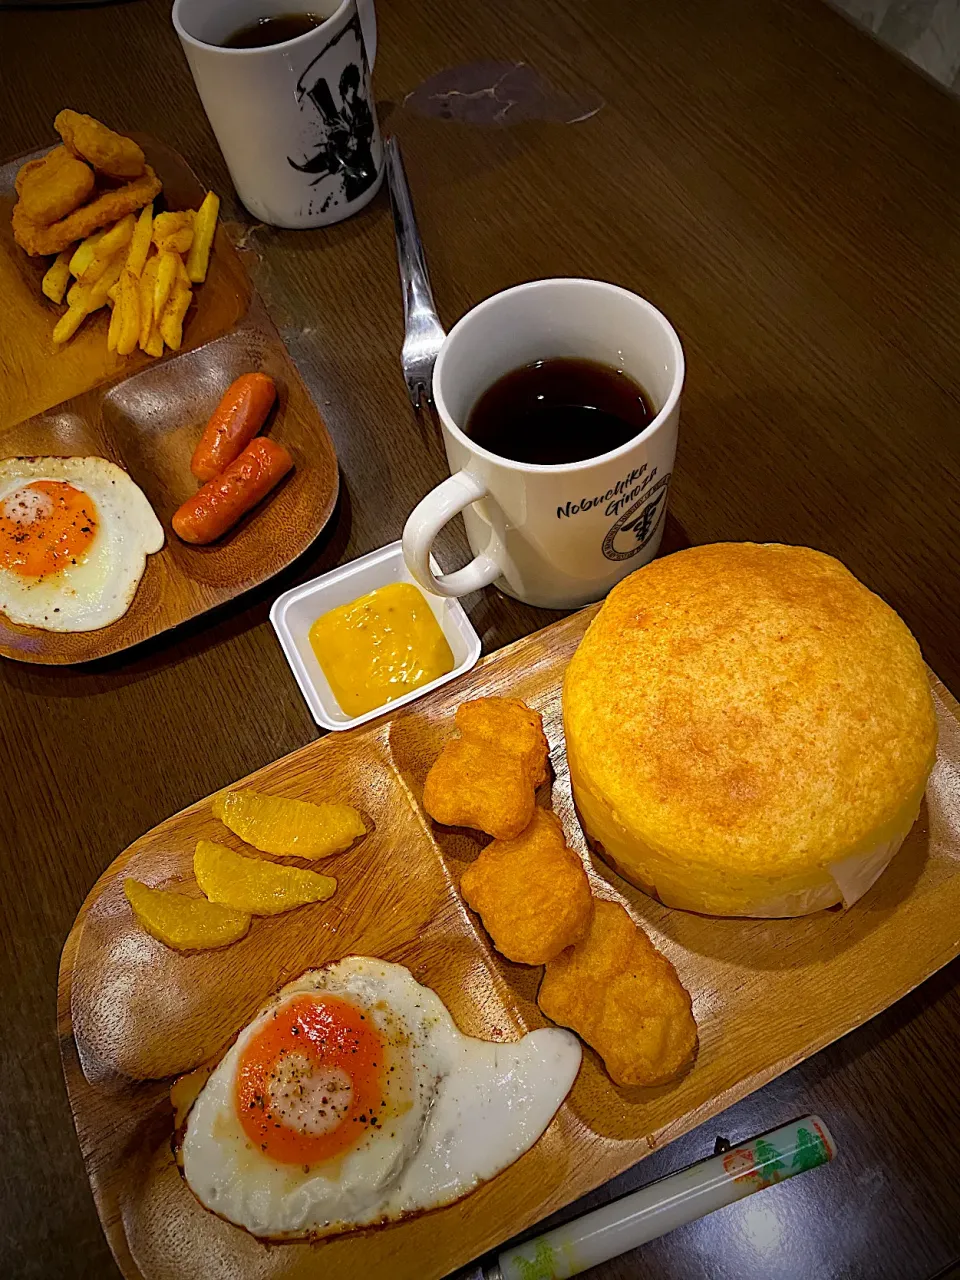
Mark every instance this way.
x=296 y=121
x=555 y=536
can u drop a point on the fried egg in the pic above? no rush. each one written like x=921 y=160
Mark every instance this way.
x=352 y=1099
x=75 y=534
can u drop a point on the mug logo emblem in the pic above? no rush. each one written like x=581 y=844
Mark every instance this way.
x=638 y=524
x=340 y=137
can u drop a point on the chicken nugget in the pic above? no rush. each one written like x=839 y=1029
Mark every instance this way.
x=531 y=893
x=107 y=208
x=110 y=153
x=24 y=172
x=624 y=998
x=472 y=786
x=507 y=724
x=52 y=187
x=486 y=778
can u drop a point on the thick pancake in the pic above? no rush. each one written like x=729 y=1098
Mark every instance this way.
x=742 y=718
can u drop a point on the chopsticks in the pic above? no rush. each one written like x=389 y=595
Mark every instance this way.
x=673 y=1201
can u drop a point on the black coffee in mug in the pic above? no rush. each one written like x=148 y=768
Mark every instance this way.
x=275 y=30
x=559 y=411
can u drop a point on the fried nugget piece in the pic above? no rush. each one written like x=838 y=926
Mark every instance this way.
x=52 y=187
x=624 y=998
x=471 y=786
x=507 y=724
x=107 y=208
x=110 y=153
x=532 y=893
x=486 y=778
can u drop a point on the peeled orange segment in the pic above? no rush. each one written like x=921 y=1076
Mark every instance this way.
x=249 y=884
x=288 y=828
x=186 y=924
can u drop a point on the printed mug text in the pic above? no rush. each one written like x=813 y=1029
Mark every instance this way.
x=618 y=498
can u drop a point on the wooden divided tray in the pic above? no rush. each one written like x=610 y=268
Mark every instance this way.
x=147 y=415
x=767 y=993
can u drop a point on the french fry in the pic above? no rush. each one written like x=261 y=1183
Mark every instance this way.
x=68 y=324
x=109 y=246
x=129 y=299
x=167 y=265
x=154 y=345
x=78 y=293
x=91 y=297
x=148 y=280
x=83 y=254
x=100 y=289
x=204 y=227
x=171 y=320
x=54 y=284
x=114 y=330
x=140 y=241
x=120 y=320
x=174 y=231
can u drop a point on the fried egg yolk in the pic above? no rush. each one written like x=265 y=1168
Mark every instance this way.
x=309 y=1084
x=45 y=526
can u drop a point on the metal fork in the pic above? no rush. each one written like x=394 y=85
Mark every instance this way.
x=424 y=332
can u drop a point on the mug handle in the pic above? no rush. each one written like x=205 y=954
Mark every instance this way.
x=368 y=29
x=425 y=522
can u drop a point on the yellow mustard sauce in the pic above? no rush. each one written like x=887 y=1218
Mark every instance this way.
x=379 y=647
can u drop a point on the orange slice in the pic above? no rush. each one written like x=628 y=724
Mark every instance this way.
x=186 y=924
x=248 y=884
x=288 y=828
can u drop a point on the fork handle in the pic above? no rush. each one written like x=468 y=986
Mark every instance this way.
x=414 y=277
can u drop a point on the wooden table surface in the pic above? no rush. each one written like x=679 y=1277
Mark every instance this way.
x=788 y=193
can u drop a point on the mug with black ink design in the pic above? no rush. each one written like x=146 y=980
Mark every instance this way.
x=295 y=121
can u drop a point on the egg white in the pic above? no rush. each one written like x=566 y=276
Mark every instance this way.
x=459 y=1110
x=100 y=586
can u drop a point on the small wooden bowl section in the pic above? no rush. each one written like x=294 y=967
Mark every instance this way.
x=147 y=415
x=767 y=993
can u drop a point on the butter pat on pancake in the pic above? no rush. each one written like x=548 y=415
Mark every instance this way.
x=532 y=892
x=624 y=998
x=486 y=779
x=288 y=828
x=250 y=884
x=749 y=730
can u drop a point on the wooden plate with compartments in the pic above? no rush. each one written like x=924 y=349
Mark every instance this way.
x=146 y=415
x=767 y=993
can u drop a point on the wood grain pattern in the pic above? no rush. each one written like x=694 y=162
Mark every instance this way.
x=149 y=422
x=787 y=192
x=132 y=1013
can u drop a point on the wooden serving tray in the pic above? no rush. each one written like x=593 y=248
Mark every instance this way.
x=766 y=993
x=146 y=415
